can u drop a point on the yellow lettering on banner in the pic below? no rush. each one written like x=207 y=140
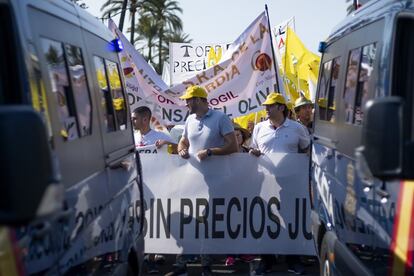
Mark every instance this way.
x=254 y=40
x=210 y=86
x=217 y=69
x=202 y=76
x=263 y=30
x=213 y=57
x=243 y=47
x=226 y=76
x=220 y=80
x=234 y=70
x=235 y=55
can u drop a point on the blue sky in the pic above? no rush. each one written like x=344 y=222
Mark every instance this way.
x=218 y=21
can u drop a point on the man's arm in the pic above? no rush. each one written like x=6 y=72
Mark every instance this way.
x=254 y=150
x=304 y=140
x=230 y=146
x=182 y=147
x=159 y=143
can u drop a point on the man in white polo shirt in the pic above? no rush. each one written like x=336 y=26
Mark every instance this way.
x=278 y=134
x=207 y=132
x=141 y=118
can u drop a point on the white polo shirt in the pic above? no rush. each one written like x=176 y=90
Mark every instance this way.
x=287 y=138
x=150 y=138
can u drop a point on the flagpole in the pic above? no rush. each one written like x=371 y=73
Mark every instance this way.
x=294 y=24
x=286 y=44
x=273 y=51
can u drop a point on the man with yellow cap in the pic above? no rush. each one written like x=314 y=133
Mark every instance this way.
x=278 y=134
x=303 y=110
x=206 y=132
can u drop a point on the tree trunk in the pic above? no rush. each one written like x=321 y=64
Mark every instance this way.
x=123 y=11
x=160 y=50
x=149 y=49
x=133 y=26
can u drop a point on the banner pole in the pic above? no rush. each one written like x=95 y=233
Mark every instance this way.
x=294 y=24
x=286 y=49
x=273 y=51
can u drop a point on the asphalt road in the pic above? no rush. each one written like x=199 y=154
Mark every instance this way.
x=240 y=268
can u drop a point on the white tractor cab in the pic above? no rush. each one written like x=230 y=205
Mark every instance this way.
x=71 y=189
x=362 y=173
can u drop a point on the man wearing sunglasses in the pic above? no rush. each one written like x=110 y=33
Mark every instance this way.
x=207 y=132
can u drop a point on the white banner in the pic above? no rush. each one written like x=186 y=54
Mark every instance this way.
x=188 y=59
x=237 y=85
x=237 y=204
x=280 y=38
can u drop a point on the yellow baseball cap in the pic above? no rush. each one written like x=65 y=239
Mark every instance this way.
x=273 y=98
x=322 y=102
x=118 y=103
x=302 y=101
x=194 y=92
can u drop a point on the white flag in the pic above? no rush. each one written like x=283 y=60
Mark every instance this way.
x=188 y=59
x=238 y=85
x=280 y=38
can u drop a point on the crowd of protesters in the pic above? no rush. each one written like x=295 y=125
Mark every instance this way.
x=208 y=132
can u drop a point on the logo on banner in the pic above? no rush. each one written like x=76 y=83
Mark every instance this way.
x=128 y=72
x=261 y=61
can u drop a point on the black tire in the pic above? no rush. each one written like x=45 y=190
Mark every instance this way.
x=133 y=268
x=131 y=271
x=325 y=265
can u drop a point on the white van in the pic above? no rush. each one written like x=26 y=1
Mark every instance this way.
x=362 y=172
x=65 y=123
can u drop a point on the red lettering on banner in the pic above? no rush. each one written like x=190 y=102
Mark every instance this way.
x=223 y=98
x=281 y=43
x=162 y=99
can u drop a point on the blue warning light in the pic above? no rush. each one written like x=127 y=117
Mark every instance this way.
x=116 y=45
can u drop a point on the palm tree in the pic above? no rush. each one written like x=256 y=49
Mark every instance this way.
x=53 y=55
x=114 y=7
x=164 y=13
x=122 y=18
x=178 y=37
x=147 y=29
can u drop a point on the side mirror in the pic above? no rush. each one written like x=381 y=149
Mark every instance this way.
x=382 y=137
x=26 y=167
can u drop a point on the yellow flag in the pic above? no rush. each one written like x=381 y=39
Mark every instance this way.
x=300 y=66
x=213 y=57
x=255 y=118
